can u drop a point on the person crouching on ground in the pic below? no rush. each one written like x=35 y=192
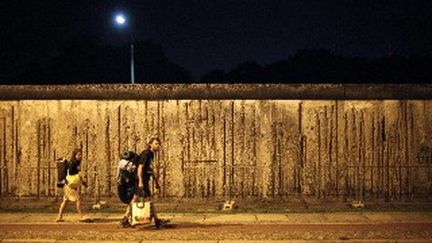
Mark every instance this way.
x=145 y=172
x=70 y=189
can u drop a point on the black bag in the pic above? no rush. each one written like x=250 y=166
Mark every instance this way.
x=125 y=193
x=131 y=156
x=62 y=168
x=129 y=177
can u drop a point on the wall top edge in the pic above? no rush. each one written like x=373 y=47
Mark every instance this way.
x=216 y=91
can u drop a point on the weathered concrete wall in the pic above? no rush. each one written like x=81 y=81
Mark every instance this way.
x=221 y=148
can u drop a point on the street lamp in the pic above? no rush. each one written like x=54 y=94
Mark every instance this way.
x=120 y=20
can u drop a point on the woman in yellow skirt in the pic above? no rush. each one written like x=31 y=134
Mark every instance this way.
x=70 y=189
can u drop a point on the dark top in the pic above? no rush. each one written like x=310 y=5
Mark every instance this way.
x=73 y=167
x=146 y=158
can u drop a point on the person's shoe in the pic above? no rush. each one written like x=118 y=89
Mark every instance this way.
x=86 y=220
x=161 y=223
x=59 y=219
x=125 y=223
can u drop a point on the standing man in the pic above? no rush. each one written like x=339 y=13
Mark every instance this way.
x=145 y=172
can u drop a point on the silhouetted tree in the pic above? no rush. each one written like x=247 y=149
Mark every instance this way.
x=152 y=65
x=84 y=62
x=322 y=65
x=87 y=61
x=280 y=71
x=246 y=72
x=420 y=66
x=33 y=73
x=216 y=75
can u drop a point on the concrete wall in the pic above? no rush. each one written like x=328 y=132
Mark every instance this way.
x=219 y=148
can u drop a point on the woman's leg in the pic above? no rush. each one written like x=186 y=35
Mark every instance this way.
x=79 y=207
x=61 y=209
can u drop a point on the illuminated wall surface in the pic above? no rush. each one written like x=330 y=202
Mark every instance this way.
x=220 y=147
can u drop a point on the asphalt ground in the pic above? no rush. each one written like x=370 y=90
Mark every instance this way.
x=308 y=227
x=30 y=220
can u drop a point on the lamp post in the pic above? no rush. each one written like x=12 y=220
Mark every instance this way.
x=120 y=20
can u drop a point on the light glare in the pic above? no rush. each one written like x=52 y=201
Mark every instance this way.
x=120 y=19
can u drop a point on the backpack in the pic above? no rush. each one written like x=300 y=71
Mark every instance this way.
x=62 y=168
x=128 y=174
x=128 y=177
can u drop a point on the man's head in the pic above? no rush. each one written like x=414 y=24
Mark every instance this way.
x=154 y=144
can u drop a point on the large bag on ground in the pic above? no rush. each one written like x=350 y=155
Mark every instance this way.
x=141 y=213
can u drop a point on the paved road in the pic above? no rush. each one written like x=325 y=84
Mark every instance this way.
x=194 y=231
x=327 y=227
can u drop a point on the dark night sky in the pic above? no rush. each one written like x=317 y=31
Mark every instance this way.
x=202 y=35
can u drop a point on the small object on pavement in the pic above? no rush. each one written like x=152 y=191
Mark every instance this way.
x=86 y=220
x=96 y=206
x=357 y=204
x=124 y=222
x=159 y=223
x=228 y=205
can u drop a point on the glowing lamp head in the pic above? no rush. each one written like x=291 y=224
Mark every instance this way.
x=120 y=19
